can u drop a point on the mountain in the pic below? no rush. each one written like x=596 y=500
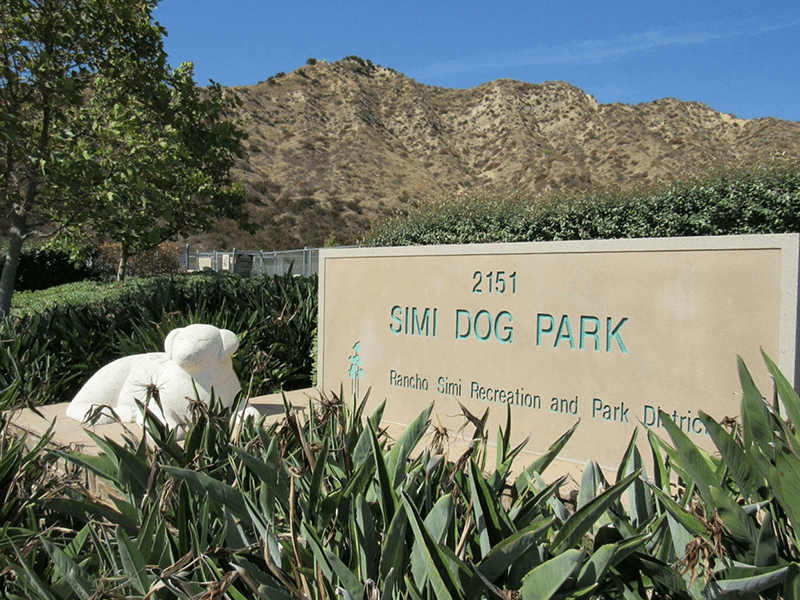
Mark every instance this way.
x=333 y=147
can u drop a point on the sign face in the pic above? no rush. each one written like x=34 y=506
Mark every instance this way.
x=609 y=332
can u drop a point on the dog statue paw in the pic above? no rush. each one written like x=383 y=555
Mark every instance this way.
x=196 y=362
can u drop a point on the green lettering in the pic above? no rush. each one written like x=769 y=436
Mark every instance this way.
x=541 y=328
x=397 y=326
x=564 y=333
x=614 y=334
x=594 y=333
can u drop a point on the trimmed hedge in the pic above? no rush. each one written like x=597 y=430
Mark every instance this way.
x=764 y=200
x=81 y=293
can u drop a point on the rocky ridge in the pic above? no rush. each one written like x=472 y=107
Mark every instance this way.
x=333 y=147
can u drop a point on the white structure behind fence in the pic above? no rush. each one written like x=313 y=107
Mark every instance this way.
x=253 y=262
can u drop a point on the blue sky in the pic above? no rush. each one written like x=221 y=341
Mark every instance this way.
x=737 y=57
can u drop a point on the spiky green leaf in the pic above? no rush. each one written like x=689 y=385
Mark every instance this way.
x=755 y=418
x=742 y=469
x=77 y=578
x=545 y=580
x=693 y=460
x=606 y=557
x=386 y=493
x=687 y=519
x=408 y=440
x=348 y=580
x=221 y=493
x=133 y=561
x=437 y=568
x=587 y=516
x=791 y=401
x=394 y=555
x=743 y=580
x=503 y=555
x=541 y=463
x=489 y=521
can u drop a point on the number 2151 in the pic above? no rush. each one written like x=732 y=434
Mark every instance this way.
x=494 y=282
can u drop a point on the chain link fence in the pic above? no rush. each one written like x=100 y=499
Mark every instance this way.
x=253 y=262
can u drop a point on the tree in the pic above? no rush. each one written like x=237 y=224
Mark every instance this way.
x=98 y=135
x=50 y=50
x=159 y=163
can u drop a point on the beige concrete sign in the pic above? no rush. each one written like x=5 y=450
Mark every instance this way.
x=608 y=332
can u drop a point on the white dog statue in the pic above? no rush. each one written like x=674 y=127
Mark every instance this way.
x=196 y=357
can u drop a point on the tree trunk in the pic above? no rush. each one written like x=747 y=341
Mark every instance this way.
x=16 y=237
x=123 y=263
x=19 y=229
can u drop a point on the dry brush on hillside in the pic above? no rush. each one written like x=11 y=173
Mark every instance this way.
x=335 y=147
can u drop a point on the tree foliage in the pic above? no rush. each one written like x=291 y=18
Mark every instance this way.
x=158 y=161
x=49 y=52
x=99 y=136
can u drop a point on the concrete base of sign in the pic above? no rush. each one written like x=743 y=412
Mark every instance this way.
x=68 y=433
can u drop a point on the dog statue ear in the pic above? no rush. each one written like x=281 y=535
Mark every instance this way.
x=170 y=341
x=229 y=343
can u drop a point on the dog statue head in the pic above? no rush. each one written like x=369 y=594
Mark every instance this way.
x=199 y=348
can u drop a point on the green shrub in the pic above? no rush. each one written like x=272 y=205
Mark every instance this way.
x=41 y=268
x=318 y=506
x=765 y=200
x=322 y=504
x=82 y=293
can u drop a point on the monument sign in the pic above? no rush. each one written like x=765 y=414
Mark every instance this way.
x=609 y=332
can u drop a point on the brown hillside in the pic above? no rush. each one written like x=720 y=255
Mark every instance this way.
x=334 y=147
